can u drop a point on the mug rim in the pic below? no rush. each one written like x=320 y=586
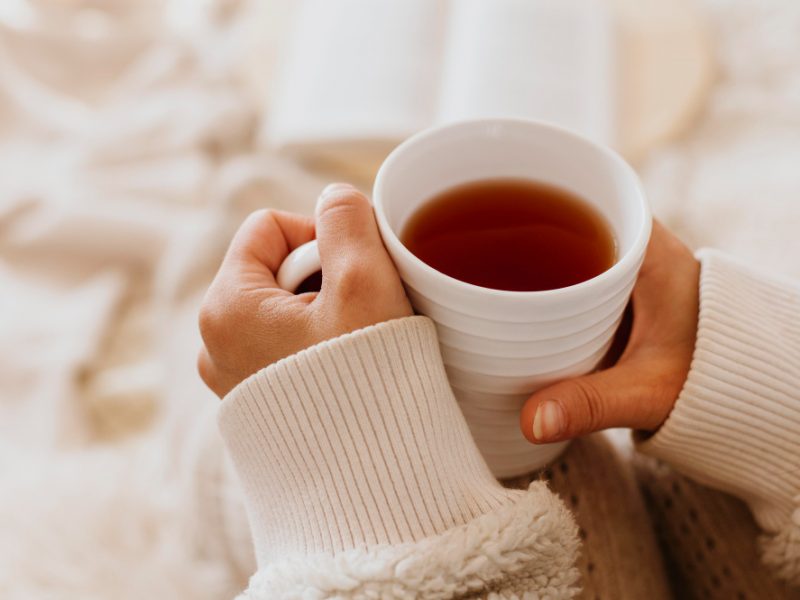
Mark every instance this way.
x=624 y=264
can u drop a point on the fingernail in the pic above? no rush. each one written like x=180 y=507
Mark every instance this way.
x=548 y=422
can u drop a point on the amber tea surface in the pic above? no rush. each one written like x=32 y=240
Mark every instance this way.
x=511 y=234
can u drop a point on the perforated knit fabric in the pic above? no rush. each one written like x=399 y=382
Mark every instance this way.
x=619 y=559
x=709 y=540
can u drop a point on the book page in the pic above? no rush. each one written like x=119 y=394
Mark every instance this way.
x=548 y=60
x=357 y=73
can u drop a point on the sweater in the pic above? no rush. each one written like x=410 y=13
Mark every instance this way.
x=360 y=478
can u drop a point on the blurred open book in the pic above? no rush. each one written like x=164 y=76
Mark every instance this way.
x=359 y=76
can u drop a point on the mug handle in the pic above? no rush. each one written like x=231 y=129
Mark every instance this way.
x=299 y=264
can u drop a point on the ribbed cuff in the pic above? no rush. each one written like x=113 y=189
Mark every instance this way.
x=355 y=442
x=736 y=424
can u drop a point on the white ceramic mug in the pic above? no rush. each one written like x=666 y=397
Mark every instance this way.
x=499 y=346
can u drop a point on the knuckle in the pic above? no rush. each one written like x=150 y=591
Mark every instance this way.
x=354 y=282
x=255 y=222
x=205 y=369
x=259 y=215
x=341 y=202
x=591 y=405
x=212 y=321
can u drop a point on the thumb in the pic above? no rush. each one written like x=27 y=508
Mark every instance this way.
x=622 y=396
x=349 y=243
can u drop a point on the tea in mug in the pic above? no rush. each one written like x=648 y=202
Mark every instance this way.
x=511 y=234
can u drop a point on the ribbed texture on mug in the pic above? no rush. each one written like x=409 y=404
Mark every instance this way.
x=492 y=380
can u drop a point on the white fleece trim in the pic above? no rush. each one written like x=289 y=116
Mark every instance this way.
x=782 y=551
x=526 y=549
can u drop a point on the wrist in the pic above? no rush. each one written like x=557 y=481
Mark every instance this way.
x=733 y=426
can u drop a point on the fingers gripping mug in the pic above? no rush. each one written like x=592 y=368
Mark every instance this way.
x=500 y=346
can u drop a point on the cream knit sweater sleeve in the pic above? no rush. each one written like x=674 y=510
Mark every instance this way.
x=736 y=424
x=361 y=480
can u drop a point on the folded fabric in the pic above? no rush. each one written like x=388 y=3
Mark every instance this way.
x=358 y=76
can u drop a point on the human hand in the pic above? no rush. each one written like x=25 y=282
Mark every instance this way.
x=247 y=322
x=640 y=390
